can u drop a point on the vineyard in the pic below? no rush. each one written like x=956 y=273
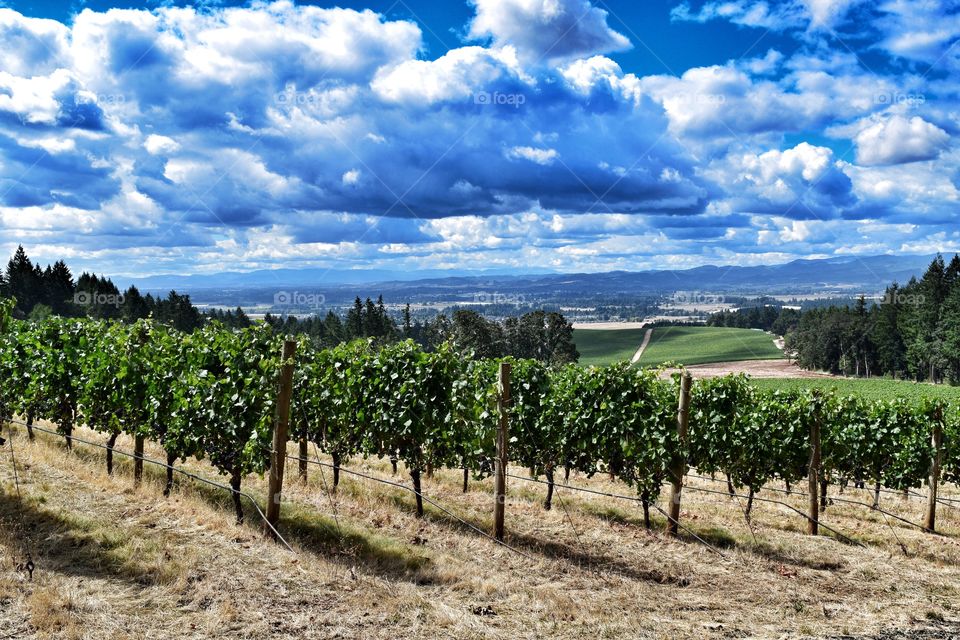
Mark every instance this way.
x=212 y=395
x=217 y=395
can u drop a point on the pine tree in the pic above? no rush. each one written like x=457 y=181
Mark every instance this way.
x=407 y=324
x=58 y=289
x=355 y=320
x=22 y=282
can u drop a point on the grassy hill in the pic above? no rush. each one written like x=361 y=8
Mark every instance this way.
x=604 y=346
x=703 y=345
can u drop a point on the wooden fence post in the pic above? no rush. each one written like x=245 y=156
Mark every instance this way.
x=138 y=459
x=303 y=457
x=281 y=427
x=500 y=463
x=678 y=467
x=814 y=470
x=930 y=521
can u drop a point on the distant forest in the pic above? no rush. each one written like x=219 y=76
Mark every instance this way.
x=913 y=333
x=39 y=292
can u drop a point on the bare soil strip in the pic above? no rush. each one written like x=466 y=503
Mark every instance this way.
x=753 y=368
x=643 y=345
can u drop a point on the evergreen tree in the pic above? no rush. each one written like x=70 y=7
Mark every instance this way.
x=407 y=324
x=135 y=306
x=354 y=324
x=22 y=282
x=333 y=330
x=58 y=289
x=891 y=351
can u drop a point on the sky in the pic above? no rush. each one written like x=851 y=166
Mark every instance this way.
x=508 y=135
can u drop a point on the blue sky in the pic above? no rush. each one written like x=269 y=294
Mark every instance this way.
x=568 y=135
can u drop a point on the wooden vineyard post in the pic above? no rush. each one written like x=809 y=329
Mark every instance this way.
x=930 y=521
x=303 y=457
x=678 y=467
x=814 y=470
x=500 y=463
x=138 y=459
x=281 y=427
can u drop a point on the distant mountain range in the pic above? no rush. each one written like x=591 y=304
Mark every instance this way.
x=841 y=276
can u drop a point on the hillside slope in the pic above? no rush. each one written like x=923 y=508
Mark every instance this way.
x=118 y=562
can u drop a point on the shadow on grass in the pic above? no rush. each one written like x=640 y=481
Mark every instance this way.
x=71 y=543
x=300 y=525
x=770 y=552
x=690 y=532
x=304 y=527
x=533 y=544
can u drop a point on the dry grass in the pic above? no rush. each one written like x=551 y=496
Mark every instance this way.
x=119 y=562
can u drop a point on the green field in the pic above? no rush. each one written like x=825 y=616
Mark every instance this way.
x=870 y=388
x=605 y=346
x=703 y=345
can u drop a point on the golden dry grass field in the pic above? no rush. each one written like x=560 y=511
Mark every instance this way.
x=118 y=562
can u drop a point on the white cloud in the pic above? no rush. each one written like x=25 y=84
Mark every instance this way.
x=160 y=145
x=539 y=156
x=826 y=13
x=31 y=46
x=457 y=75
x=545 y=30
x=777 y=16
x=897 y=140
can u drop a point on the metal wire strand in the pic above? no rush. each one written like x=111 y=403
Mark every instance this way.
x=425 y=499
x=622 y=497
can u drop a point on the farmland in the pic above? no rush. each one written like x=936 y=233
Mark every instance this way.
x=702 y=345
x=684 y=345
x=605 y=346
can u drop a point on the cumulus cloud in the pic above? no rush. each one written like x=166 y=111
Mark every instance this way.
x=897 y=140
x=801 y=182
x=157 y=145
x=547 y=29
x=460 y=74
x=777 y=16
x=925 y=30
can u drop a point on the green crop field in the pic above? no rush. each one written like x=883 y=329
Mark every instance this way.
x=869 y=388
x=703 y=345
x=605 y=346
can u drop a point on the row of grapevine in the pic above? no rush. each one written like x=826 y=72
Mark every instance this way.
x=211 y=394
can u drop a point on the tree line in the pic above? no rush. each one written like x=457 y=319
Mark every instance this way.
x=912 y=332
x=545 y=336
